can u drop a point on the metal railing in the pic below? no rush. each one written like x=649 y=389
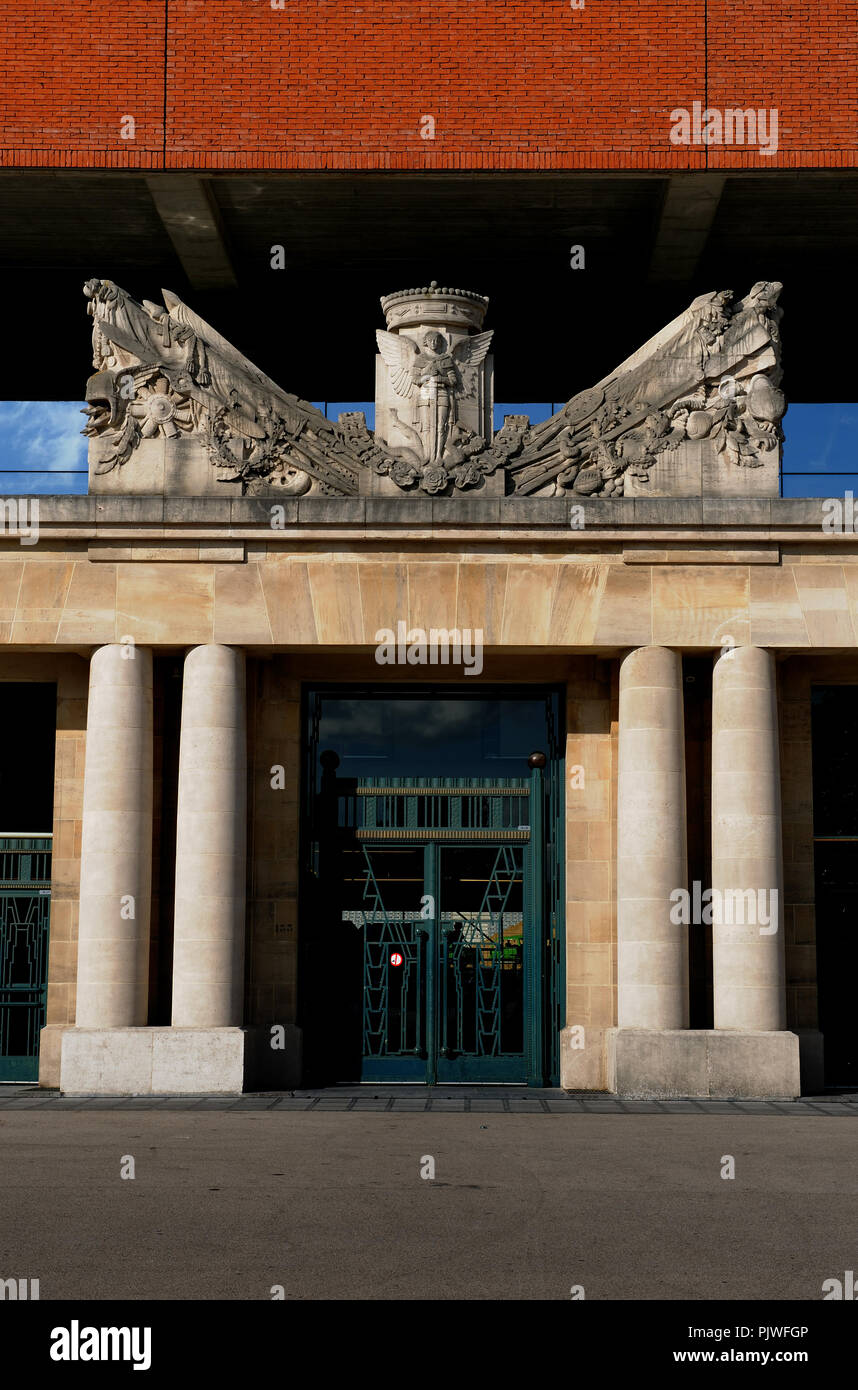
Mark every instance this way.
x=436 y=808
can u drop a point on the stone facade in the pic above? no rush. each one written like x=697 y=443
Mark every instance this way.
x=304 y=602
x=236 y=547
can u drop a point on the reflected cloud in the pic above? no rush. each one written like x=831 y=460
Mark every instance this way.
x=431 y=737
x=39 y=438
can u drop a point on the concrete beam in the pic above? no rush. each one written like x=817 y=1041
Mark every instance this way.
x=689 y=208
x=190 y=214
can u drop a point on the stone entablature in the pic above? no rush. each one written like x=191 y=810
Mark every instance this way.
x=175 y=409
x=176 y=571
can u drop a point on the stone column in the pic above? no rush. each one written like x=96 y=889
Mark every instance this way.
x=651 y=842
x=747 y=860
x=211 y=836
x=116 y=842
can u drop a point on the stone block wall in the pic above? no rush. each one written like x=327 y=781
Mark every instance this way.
x=72 y=676
x=590 y=845
x=591 y=876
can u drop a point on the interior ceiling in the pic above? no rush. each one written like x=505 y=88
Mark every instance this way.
x=350 y=239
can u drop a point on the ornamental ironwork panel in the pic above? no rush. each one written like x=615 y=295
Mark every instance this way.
x=481 y=968
x=394 y=967
x=25 y=897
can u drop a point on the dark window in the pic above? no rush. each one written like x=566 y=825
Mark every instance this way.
x=28 y=719
x=402 y=736
x=835 y=827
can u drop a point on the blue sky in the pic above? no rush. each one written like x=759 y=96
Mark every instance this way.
x=43 y=451
x=39 y=442
x=821 y=440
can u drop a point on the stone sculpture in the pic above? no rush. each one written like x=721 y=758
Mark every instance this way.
x=173 y=407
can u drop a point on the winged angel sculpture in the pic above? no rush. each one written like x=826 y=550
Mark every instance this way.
x=432 y=372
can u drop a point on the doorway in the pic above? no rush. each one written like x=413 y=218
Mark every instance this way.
x=834 y=711
x=28 y=714
x=447 y=942
x=431 y=905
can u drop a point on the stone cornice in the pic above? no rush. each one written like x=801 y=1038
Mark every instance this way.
x=624 y=523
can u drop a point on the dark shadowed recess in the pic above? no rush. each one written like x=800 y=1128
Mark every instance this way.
x=348 y=239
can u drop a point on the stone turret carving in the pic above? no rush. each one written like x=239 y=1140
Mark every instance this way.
x=433 y=405
x=173 y=407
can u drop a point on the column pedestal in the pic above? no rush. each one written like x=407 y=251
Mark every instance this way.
x=651 y=1053
x=178 y=1061
x=669 y=1064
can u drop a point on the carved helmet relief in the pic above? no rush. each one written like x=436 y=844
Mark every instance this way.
x=696 y=408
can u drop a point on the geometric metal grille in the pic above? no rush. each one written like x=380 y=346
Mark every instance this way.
x=428 y=809
x=481 y=966
x=393 y=1012
x=25 y=897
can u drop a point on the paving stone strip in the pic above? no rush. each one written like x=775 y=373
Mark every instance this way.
x=508 y=1100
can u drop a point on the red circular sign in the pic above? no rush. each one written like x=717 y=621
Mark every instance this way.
x=396 y=958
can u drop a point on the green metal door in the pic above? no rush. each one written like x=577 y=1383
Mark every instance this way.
x=448 y=906
x=484 y=946
x=396 y=963
x=25 y=897
x=431 y=936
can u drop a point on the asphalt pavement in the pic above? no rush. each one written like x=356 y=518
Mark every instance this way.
x=333 y=1203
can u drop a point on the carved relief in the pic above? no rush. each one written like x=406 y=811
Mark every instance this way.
x=433 y=373
x=704 y=394
x=433 y=391
x=712 y=375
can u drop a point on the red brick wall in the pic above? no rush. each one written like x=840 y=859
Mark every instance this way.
x=343 y=84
